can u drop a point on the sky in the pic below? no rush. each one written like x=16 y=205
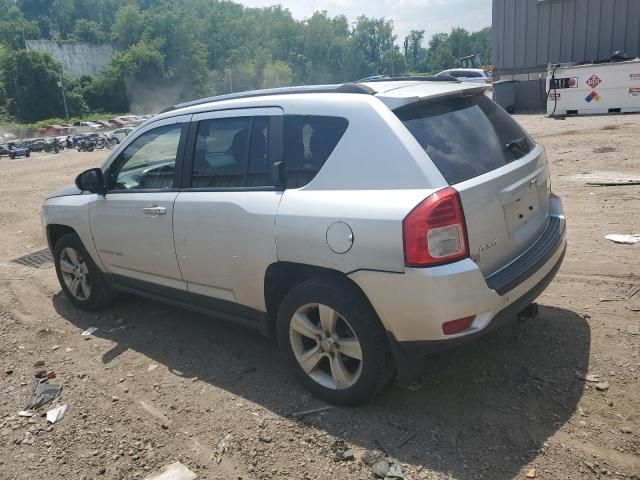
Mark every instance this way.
x=432 y=16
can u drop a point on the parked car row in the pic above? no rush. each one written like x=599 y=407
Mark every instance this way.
x=12 y=150
x=95 y=125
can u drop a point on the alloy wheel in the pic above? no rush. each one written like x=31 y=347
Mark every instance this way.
x=326 y=346
x=75 y=273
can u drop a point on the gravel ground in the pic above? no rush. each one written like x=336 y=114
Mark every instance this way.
x=556 y=397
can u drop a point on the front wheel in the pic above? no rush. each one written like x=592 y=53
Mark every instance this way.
x=334 y=340
x=80 y=278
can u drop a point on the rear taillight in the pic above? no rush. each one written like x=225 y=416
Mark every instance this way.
x=435 y=231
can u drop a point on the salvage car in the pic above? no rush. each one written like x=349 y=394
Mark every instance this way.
x=363 y=225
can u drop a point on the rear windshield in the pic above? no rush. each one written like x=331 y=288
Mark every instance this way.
x=465 y=136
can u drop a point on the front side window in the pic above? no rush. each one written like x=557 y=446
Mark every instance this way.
x=148 y=163
x=308 y=142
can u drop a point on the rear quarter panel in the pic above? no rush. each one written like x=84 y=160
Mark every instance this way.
x=374 y=216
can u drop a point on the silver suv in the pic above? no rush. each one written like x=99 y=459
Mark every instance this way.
x=362 y=225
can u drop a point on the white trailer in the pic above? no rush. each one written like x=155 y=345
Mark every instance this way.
x=594 y=89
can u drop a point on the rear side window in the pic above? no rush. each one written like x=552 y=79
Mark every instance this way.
x=308 y=142
x=220 y=157
x=465 y=137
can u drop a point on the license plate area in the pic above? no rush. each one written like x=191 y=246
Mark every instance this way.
x=524 y=206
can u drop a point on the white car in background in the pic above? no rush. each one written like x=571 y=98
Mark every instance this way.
x=90 y=125
x=120 y=134
x=468 y=75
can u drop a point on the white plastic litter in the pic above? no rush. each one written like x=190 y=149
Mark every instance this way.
x=89 y=331
x=630 y=239
x=25 y=413
x=56 y=414
x=175 y=471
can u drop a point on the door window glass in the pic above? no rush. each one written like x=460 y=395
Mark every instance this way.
x=220 y=157
x=308 y=142
x=259 y=173
x=148 y=163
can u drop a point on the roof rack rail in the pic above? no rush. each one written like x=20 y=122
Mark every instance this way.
x=420 y=78
x=337 y=88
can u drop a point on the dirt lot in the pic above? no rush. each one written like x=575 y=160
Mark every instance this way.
x=156 y=385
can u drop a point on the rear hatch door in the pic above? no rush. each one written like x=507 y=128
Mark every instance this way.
x=501 y=174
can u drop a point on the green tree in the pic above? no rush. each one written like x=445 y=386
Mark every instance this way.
x=277 y=74
x=393 y=62
x=31 y=84
x=128 y=26
x=413 y=51
x=88 y=31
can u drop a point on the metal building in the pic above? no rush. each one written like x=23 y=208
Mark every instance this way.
x=530 y=34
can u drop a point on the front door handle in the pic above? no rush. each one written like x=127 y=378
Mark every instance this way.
x=154 y=210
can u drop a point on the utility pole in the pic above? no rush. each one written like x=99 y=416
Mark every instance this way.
x=64 y=99
x=230 y=79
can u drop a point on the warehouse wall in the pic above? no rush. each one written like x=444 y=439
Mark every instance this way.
x=530 y=34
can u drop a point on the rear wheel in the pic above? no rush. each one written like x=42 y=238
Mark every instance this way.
x=334 y=341
x=80 y=278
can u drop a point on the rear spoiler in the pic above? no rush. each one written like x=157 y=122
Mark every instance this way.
x=395 y=99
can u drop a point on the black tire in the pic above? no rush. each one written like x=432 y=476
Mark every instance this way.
x=344 y=298
x=28 y=154
x=100 y=295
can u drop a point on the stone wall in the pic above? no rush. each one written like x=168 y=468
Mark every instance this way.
x=77 y=58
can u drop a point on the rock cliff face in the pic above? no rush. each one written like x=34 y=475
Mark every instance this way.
x=77 y=58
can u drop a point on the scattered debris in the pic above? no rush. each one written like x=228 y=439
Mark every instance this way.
x=89 y=331
x=344 y=455
x=388 y=469
x=43 y=391
x=55 y=347
x=223 y=446
x=68 y=350
x=152 y=367
x=25 y=413
x=395 y=470
x=9 y=371
x=311 y=411
x=590 y=377
x=602 y=386
x=175 y=471
x=613 y=184
x=619 y=238
x=56 y=414
x=531 y=473
x=38 y=363
x=380 y=469
x=633 y=329
x=342 y=452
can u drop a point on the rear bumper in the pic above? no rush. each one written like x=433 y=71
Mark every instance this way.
x=414 y=305
x=509 y=313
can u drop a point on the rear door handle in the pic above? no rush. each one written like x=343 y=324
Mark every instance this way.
x=154 y=210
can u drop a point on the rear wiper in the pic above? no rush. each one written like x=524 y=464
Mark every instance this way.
x=519 y=145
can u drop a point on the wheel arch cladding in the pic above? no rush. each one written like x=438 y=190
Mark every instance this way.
x=281 y=277
x=55 y=232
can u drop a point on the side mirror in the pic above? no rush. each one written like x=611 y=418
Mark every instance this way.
x=91 y=181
